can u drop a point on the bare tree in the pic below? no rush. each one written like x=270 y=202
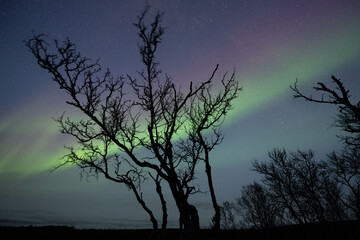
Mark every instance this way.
x=96 y=158
x=307 y=174
x=257 y=208
x=297 y=189
x=349 y=113
x=157 y=122
x=302 y=186
x=279 y=177
x=333 y=194
x=207 y=112
x=306 y=190
x=344 y=167
x=228 y=216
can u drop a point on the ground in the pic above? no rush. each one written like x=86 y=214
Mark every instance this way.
x=328 y=231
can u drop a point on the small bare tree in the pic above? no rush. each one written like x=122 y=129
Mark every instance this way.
x=207 y=113
x=301 y=186
x=344 y=167
x=279 y=176
x=228 y=216
x=257 y=208
x=166 y=123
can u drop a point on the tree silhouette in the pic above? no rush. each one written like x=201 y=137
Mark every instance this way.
x=228 y=216
x=207 y=112
x=298 y=188
x=349 y=113
x=301 y=186
x=279 y=177
x=343 y=166
x=257 y=208
x=94 y=156
x=161 y=132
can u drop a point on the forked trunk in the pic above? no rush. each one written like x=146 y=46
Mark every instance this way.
x=189 y=218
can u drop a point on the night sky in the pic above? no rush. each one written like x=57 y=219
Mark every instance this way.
x=270 y=44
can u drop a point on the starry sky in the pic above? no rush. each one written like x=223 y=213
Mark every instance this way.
x=269 y=44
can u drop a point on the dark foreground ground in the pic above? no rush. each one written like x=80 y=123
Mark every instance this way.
x=340 y=230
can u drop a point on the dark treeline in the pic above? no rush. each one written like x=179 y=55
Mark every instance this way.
x=297 y=188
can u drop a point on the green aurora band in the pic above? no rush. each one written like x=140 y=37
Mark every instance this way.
x=31 y=144
x=271 y=79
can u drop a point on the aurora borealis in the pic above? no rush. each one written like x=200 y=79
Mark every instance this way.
x=270 y=44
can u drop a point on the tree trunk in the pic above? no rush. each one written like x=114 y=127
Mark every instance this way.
x=163 y=203
x=142 y=203
x=189 y=218
x=216 y=217
x=189 y=221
